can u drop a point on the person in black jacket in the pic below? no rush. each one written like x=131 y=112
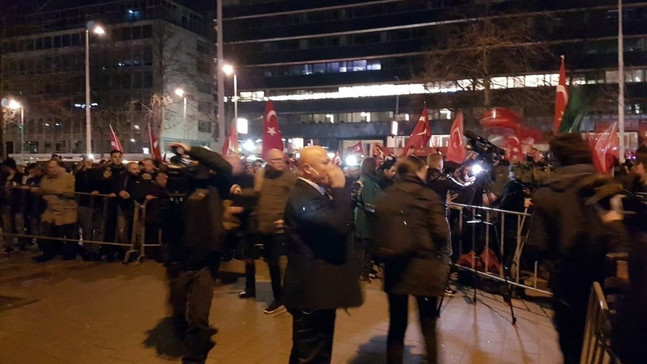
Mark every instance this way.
x=574 y=239
x=194 y=258
x=419 y=272
x=320 y=276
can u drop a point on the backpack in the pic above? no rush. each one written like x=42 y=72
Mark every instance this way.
x=401 y=222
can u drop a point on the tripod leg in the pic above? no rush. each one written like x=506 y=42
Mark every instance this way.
x=506 y=273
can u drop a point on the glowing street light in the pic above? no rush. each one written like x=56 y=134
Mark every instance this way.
x=15 y=105
x=230 y=70
x=181 y=93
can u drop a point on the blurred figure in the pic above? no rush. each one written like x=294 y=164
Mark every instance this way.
x=370 y=192
x=272 y=184
x=386 y=172
x=194 y=258
x=57 y=188
x=573 y=237
x=417 y=273
x=11 y=210
x=257 y=165
x=320 y=276
x=110 y=182
x=89 y=208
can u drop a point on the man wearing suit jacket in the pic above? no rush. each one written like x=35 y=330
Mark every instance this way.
x=320 y=276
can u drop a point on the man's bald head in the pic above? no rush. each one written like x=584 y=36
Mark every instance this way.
x=275 y=159
x=314 y=165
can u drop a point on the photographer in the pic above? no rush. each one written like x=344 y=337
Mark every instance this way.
x=195 y=254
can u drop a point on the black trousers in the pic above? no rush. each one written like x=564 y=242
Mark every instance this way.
x=191 y=292
x=312 y=336
x=50 y=248
x=273 y=248
x=570 y=319
x=398 y=313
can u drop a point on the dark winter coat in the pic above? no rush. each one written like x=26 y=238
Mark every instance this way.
x=200 y=214
x=441 y=183
x=573 y=239
x=321 y=274
x=414 y=274
x=369 y=194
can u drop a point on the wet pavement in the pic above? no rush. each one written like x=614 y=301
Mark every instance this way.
x=95 y=313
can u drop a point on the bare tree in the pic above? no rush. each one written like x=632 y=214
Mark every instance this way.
x=476 y=56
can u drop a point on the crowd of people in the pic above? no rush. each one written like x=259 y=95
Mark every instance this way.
x=388 y=220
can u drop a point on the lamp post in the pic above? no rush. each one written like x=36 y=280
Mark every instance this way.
x=96 y=29
x=180 y=92
x=15 y=105
x=229 y=70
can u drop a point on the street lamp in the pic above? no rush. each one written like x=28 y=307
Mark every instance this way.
x=98 y=30
x=15 y=105
x=229 y=70
x=180 y=92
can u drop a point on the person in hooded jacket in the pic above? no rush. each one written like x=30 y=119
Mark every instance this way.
x=369 y=193
x=415 y=273
x=574 y=239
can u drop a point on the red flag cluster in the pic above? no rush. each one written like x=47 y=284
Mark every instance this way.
x=115 y=144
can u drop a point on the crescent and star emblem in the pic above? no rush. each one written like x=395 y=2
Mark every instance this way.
x=562 y=89
x=269 y=116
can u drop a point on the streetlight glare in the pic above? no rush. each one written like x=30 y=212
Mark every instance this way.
x=228 y=69
x=98 y=29
x=179 y=92
x=14 y=105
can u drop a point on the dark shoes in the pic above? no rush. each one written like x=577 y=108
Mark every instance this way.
x=41 y=258
x=274 y=307
x=246 y=294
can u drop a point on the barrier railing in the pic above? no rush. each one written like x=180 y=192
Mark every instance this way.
x=101 y=220
x=501 y=231
x=596 y=348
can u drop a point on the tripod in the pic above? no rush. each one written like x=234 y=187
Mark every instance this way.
x=478 y=221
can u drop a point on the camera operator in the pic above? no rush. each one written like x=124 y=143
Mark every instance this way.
x=195 y=257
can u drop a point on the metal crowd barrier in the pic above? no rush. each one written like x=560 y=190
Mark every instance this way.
x=494 y=231
x=596 y=348
x=97 y=215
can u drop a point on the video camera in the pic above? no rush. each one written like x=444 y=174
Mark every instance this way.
x=181 y=171
x=483 y=148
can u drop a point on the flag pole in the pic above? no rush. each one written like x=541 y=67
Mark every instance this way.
x=621 y=88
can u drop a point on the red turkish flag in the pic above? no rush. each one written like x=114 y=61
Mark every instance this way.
x=272 y=138
x=456 y=149
x=561 y=98
x=606 y=148
x=357 y=148
x=155 y=146
x=231 y=142
x=336 y=159
x=421 y=133
x=513 y=151
x=115 y=144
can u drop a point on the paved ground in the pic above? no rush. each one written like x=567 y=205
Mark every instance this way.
x=96 y=313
